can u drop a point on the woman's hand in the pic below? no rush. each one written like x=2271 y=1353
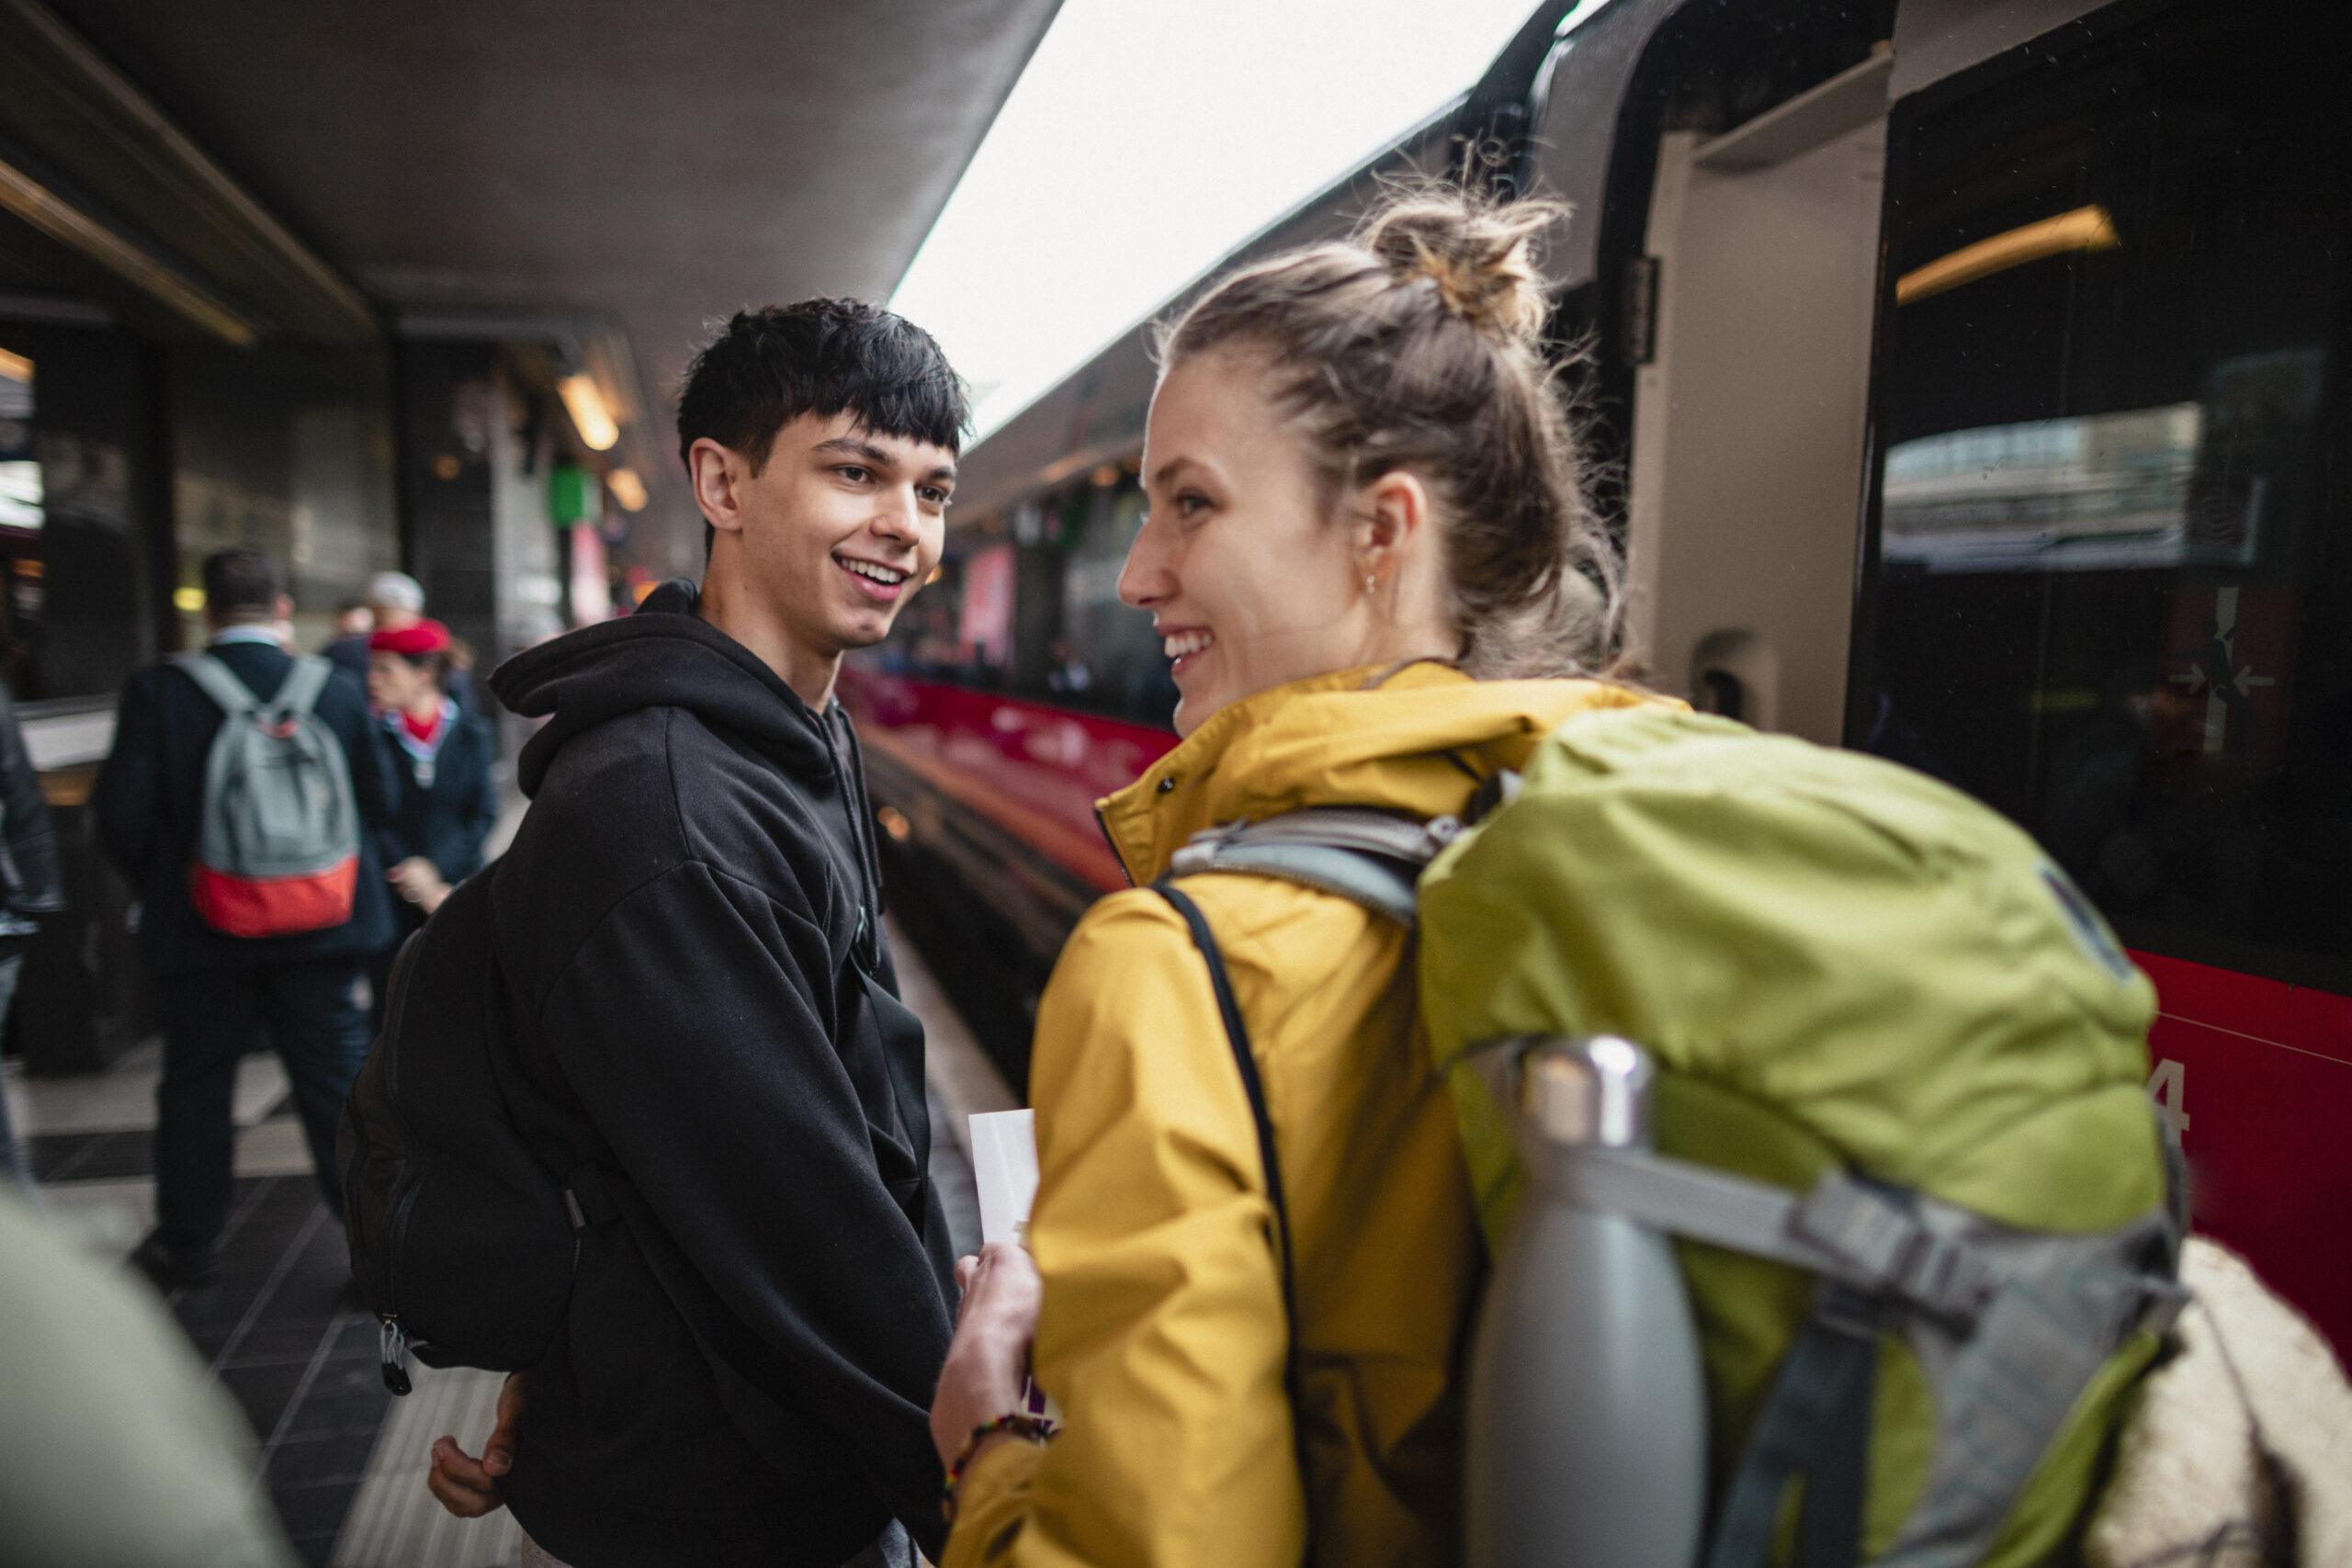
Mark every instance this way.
x=989 y=1357
x=467 y=1486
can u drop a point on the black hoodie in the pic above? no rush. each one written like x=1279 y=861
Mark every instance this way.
x=688 y=936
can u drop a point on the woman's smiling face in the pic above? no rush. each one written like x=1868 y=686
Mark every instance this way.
x=1250 y=582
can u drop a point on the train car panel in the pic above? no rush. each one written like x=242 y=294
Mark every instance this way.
x=2108 y=577
x=1968 y=381
x=1748 y=405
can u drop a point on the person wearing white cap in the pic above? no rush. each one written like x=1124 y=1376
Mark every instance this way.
x=398 y=600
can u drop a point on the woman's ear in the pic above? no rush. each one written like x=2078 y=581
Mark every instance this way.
x=1392 y=516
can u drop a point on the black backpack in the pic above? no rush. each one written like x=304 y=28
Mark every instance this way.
x=462 y=1240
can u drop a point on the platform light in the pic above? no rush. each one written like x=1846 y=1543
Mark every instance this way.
x=589 y=415
x=626 y=488
x=2085 y=228
x=188 y=600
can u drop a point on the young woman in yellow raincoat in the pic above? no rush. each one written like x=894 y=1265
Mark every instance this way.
x=1370 y=557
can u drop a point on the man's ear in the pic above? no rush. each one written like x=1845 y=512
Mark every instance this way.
x=282 y=607
x=720 y=474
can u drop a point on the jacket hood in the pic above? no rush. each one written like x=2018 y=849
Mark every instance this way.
x=663 y=656
x=1417 y=739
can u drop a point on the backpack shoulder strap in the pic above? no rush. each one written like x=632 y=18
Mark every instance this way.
x=300 y=692
x=217 y=680
x=1237 y=1037
x=1369 y=857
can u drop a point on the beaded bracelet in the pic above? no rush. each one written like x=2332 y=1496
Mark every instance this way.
x=1033 y=1429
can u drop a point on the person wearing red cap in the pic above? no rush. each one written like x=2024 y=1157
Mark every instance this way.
x=445 y=796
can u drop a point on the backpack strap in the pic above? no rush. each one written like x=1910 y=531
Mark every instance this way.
x=1368 y=857
x=300 y=692
x=1815 y=1423
x=217 y=680
x=2010 y=1325
x=297 y=695
x=1844 y=1230
x=1237 y=1037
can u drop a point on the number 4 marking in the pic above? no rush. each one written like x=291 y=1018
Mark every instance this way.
x=2168 y=1086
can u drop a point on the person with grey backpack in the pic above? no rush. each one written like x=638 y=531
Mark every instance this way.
x=243 y=802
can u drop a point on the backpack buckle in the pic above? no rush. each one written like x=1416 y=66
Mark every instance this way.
x=1889 y=1247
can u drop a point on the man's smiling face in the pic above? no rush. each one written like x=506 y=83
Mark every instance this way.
x=840 y=526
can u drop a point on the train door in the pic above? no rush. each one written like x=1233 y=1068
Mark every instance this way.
x=2108 y=578
x=1746 y=464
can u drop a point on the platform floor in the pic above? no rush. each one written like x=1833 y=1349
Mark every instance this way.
x=345 y=1462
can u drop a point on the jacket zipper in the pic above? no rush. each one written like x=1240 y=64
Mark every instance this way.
x=1103 y=826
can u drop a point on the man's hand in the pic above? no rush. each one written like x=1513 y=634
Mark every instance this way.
x=419 y=881
x=989 y=1355
x=467 y=1486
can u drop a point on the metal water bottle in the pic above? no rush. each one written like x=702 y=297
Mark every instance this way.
x=1586 y=1442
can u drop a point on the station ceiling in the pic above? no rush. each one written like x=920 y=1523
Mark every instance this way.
x=652 y=165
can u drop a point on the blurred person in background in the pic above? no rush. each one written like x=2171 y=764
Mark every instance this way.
x=395 y=601
x=444 y=787
x=218 y=996
x=353 y=623
x=29 y=888
x=117 y=1447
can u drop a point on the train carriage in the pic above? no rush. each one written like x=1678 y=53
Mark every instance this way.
x=1968 y=378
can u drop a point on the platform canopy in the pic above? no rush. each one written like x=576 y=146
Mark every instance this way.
x=621 y=169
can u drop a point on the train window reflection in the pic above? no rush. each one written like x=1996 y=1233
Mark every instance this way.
x=2113 y=586
x=2051 y=494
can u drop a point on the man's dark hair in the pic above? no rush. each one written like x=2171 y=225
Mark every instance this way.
x=821 y=356
x=242 y=581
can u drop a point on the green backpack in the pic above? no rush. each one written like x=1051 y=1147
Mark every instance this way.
x=1867 y=995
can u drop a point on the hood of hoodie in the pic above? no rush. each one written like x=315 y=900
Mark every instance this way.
x=1416 y=739
x=663 y=656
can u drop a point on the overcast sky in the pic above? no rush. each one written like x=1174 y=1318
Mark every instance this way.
x=1150 y=137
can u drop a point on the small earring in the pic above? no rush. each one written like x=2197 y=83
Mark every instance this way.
x=1368 y=582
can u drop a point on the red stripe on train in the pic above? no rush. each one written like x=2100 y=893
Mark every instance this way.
x=2261 y=1073
x=1035 y=769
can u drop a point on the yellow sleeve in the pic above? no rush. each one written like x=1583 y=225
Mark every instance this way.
x=1162 y=1335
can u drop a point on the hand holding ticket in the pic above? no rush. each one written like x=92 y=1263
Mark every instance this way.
x=1004 y=1169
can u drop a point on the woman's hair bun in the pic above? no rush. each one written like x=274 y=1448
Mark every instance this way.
x=1477 y=252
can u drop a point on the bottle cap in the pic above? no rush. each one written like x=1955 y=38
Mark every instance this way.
x=1593 y=1089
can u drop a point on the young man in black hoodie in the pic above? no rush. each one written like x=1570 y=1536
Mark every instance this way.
x=689 y=944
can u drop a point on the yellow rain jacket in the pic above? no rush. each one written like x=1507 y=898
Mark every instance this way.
x=1162 y=1335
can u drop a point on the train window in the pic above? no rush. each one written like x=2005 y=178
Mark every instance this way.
x=1106 y=657
x=288 y=448
x=2112 y=586
x=77 y=603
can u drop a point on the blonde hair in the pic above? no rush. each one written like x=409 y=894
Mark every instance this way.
x=1417 y=345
